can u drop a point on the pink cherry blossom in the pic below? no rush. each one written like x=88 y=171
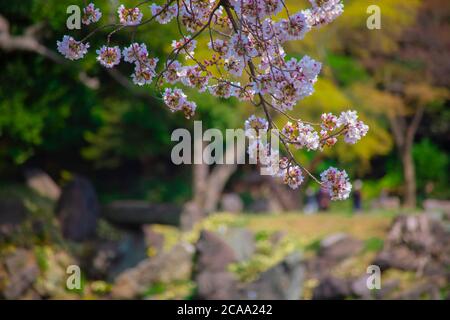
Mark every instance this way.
x=91 y=14
x=129 y=17
x=72 y=49
x=109 y=56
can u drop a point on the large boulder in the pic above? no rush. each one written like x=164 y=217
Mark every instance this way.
x=107 y=259
x=191 y=214
x=78 y=210
x=281 y=282
x=213 y=279
x=333 y=250
x=42 y=183
x=359 y=287
x=219 y=285
x=174 y=265
x=400 y=257
x=20 y=271
x=417 y=243
x=154 y=240
x=429 y=289
x=215 y=252
x=339 y=246
x=241 y=241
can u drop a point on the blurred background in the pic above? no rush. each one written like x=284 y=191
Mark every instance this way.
x=86 y=177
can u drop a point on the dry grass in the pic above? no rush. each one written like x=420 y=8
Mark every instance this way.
x=308 y=228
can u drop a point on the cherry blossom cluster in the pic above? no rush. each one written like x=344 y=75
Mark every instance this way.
x=261 y=151
x=255 y=127
x=164 y=16
x=293 y=176
x=91 y=14
x=336 y=183
x=301 y=135
x=247 y=62
x=129 y=16
x=323 y=12
x=109 y=56
x=304 y=136
x=354 y=128
x=72 y=49
x=176 y=100
x=144 y=66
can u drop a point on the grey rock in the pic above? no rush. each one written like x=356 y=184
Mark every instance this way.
x=218 y=285
x=339 y=246
x=421 y=291
x=213 y=279
x=282 y=282
x=213 y=253
x=78 y=210
x=417 y=243
x=42 y=183
x=166 y=267
x=22 y=271
x=131 y=251
x=192 y=214
x=359 y=288
x=241 y=241
x=153 y=239
x=387 y=289
x=398 y=258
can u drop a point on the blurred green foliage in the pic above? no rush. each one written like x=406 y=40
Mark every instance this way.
x=432 y=168
x=50 y=118
x=120 y=137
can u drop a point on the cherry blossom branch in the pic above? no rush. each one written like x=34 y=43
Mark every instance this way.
x=247 y=44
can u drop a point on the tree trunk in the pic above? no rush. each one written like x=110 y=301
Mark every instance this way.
x=200 y=173
x=409 y=174
x=208 y=185
x=404 y=135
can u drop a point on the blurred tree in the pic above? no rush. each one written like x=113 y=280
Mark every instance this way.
x=394 y=74
x=412 y=74
x=56 y=113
